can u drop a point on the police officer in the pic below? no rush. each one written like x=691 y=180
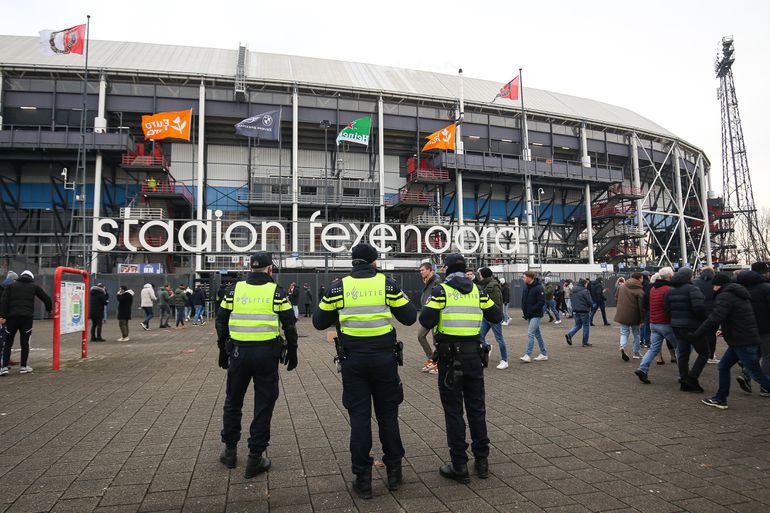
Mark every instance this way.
x=362 y=306
x=454 y=312
x=247 y=324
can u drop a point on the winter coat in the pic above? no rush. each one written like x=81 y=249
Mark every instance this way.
x=654 y=302
x=180 y=297
x=199 y=297
x=733 y=311
x=187 y=297
x=685 y=303
x=596 y=288
x=568 y=291
x=164 y=297
x=630 y=309
x=428 y=287
x=493 y=289
x=308 y=297
x=704 y=284
x=96 y=301
x=294 y=296
x=549 y=290
x=125 y=302
x=759 y=290
x=506 y=293
x=533 y=300
x=581 y=299
x=19 y=298
x=147 y=296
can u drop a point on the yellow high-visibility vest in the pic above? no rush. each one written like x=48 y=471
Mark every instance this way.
x=254 y=312
x=462 y=313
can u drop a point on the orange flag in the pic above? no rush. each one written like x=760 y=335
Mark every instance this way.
x=163 y=125
x=444 y=139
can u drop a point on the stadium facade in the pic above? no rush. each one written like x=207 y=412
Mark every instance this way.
x=596 y=183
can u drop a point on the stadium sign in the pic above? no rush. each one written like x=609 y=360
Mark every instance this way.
x=218 y=236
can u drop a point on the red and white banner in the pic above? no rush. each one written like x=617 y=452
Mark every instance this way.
x=62 y=42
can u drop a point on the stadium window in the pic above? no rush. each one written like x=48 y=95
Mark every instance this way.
x=348 y=104
x=280 y=189
x=349 y=192
x=306 y=190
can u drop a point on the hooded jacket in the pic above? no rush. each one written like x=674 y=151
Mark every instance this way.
x=125 y=302
x=199 y=297
x=704 y=284
x=733 y=311
x=630 y=309
x=180 y=297
x=533 y=300
x=96 y=302
x=493 y=289
x=147 y=296
x=19 y=298
x=596 y=288
x=685 y=303
x=654 y=302
x=759 y=290
x=581 y=299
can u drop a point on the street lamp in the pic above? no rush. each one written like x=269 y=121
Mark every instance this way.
x=325 y=124
x=540 y=191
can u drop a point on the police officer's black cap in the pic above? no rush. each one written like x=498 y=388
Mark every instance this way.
x=261 y=259
x=454 y=263
x=364 y=252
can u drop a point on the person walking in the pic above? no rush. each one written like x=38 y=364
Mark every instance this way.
x=759 y=290
x=619 y=283
x=660 y=320
x=568 y=286
x=17 y=310
x=188 y=304
x=164 y=302
x=686 y=305
x=645 y=330
x=293 y=293
x=630 y=314
x=550 y=302
x=97 y=299
x=199 y=303
x=10 y=277
x=363 y=305
x=734 y=313
x=250 y=348
x=581 y=309
x=705 y=286
x=429 y=279
x=147 y=298
x=506 y=301
x=125 y=297
x=493 y=289
x=180 y=302
x=455 y=312
x=597 y=295
x=307 y=296
x=532 y=306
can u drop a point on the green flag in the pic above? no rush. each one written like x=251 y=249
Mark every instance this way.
x=357 y=131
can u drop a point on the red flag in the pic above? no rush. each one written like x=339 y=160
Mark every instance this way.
x=510 y=90
x=70 y=40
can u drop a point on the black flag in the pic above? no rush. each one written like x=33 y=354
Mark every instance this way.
x=263 y=126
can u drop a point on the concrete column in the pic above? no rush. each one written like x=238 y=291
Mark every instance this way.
x=704 y=205
x=294 y=170
x=530 y=227
x=638 y=187
x=589 y=225
x=585 y=160
x=680 y=206
x=1 y=100
x=100 y=126
x=381 y=156
x=201 y=166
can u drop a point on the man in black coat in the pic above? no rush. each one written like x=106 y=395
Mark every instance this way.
x=17 y=309
x=125 y=297
x=685 y=303
x=759 y=289
x=704 y=284
x=532 y=306
x=96 y=302
x=596 y=288
x=733 y=311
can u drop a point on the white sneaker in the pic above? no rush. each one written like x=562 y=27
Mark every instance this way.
x=541 y=358
x=3 y=371
x=525 y=358
x=712 y=360
x=557 y=322
x=504 y=323
x=25 y=370
x=502 y=365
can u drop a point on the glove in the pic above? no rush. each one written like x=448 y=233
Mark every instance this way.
x=224 y=359
x=290 y=359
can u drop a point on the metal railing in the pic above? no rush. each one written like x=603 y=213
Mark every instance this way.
x=308 y=199
x=167 y=187
x=129 y=160
x=148 y=214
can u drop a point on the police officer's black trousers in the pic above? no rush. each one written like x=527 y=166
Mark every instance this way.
x=470 y=392
x=260 y=364
x=366 y=377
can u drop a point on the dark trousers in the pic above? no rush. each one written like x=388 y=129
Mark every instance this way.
x=368 y=377
x=259 y=364
x=749 y=358
x=308 y=309
x=180 y=316
x=23 y=325
x=470 y=393
x=165 y=315
x=711 y=340
x=581 y=321
x=684 y=347
x=598 y=306
x=123 y=324
x=96 y=328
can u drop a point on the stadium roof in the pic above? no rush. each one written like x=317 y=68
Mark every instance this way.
x=23 y=51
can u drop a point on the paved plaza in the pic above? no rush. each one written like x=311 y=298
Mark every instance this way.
x=135 y=428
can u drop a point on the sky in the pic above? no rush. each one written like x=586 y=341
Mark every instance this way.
x=654 y=57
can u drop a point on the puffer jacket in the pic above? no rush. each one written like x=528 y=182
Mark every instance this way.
x=533 y=300
x=685 y=303
x=630 y=310
x=494 y=291
x=704 y=284
x=96 y=301
x=759 y=290
x=654 y=302
x=147 y=296
x=581 y=299
x=733 y=311
x=19 y=298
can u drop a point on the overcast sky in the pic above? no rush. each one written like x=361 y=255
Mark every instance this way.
x=653 y=57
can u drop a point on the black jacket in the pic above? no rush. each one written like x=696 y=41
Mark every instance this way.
x=96 y=301
x=596 y=288
x=581 y=299
x=685 y=303
x=323 y=319
x=733 y=311
x=704 y=284
x=19 y=299
x=308 y=296
x=533 y=300
x=429 y=317
x=125 y=301
x=294 y=296
x=199 y=297
x=759 y=290
x=506 y=293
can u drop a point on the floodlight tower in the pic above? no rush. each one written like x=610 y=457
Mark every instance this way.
x=736 y=179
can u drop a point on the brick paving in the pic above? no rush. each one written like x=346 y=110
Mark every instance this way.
x=136 y=429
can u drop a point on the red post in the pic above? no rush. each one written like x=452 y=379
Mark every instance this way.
x=57 y=313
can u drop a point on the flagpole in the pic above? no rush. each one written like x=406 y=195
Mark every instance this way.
x=525 y=155
x=83 y=121
x=459 y=150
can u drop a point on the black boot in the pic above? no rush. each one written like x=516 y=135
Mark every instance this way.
x=457 y=472
x=362 y=484
x=482 y=468
x=255 y=465
x=229 y=457
x=394 y=477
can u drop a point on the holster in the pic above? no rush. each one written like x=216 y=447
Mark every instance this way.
x=229 y=346
x=484 y=351
x=452 y=352
x=340 y=354
x=399 y=349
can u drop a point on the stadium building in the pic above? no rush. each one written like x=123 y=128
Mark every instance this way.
x=580 y=181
